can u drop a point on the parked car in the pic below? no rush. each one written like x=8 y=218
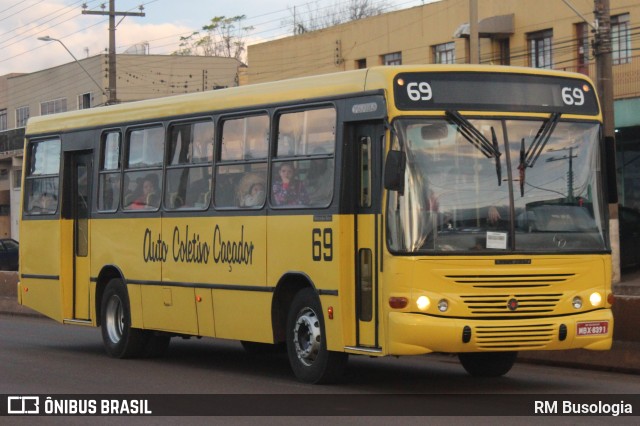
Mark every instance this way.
x=8 y=254
x=629 y=237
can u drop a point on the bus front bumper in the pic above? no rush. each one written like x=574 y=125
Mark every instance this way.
x=415 y=334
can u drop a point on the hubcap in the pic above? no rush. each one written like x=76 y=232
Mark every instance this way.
x=114 y=319
x=307 y=337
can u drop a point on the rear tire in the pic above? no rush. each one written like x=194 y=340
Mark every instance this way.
x=488 y=364
x=310 y=360
x=119 y=339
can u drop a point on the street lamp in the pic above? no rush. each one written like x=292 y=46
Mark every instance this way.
x=47 y=38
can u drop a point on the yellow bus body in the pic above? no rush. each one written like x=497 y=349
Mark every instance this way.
x=219 y=275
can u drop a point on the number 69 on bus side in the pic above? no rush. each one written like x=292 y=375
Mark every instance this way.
x=322 y=244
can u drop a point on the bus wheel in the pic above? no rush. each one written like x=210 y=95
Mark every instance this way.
x=120 y=340
x=306 y=342
x=488 y=364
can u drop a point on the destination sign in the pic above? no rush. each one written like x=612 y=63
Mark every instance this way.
x=494 y=92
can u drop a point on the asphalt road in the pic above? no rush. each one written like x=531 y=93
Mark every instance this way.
x=39 y=356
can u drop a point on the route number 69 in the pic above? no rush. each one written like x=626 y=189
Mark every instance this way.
x=419 y=91
x=572 y=96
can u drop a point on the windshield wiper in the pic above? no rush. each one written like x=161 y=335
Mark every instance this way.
x=496 y=148
x=473 y=135
x=529 y=158
x=477 y=139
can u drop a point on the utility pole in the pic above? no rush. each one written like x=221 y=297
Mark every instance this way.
x=604 y=66
x=113 y=99
x=474 y=39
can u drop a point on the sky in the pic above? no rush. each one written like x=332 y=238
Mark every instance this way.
x=165 y=21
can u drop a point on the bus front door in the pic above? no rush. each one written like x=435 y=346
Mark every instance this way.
x=367 y=227
x=82 y=163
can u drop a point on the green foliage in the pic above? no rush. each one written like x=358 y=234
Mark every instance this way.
x=223 y=36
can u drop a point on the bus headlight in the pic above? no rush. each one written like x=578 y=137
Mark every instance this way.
x=423 y=303
x=595 y=299
x=443 y=305
x=577 y=302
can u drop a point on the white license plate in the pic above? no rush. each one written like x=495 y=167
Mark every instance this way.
x=592 y=328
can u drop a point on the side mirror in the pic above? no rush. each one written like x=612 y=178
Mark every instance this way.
x=394 y=169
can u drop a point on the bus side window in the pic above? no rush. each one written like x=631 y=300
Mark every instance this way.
x=241 y=172
x=143 y=169
x=303 y=174
x=41 y=184
x=109 y=180
x=189 y=166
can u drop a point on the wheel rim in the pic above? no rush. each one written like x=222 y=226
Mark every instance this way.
x=307 y=337
x=114 y=319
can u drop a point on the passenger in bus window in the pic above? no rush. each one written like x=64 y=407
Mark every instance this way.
x=148 y=197
x=47 y=203
x=255 y=197
x=288 y=190
x=251 y=190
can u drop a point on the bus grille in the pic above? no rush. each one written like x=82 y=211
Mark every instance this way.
x=510 y=281
x=515 y=304
x=514 y=337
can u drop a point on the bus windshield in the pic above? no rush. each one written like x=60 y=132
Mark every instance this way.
x=497 y=185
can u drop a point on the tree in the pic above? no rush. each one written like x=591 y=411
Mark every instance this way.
x=316 y=17
x=223 y=37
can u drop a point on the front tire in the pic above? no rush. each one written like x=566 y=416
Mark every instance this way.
x=310 y=360
x=488 y=364
x=119 y=338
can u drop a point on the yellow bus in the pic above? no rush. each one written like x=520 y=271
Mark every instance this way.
x=398 y=210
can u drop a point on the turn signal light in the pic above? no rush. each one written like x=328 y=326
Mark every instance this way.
x=398 y=302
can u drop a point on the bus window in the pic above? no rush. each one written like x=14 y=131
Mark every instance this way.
x=306 y=144
x=109 y=180
x=143 y=173
x=146 y=147
x=41 y=186
x=241 y=174
x=189 y=167
x=245 y=138
x=307 y=132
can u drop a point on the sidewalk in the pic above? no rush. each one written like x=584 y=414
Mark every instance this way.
x=623 y=357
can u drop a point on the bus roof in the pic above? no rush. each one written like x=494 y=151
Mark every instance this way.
x=303 y=88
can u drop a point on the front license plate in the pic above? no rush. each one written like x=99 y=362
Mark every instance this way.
x=592 y=328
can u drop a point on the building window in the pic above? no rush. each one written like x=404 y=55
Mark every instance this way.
x=22 y=115
x=392 y=59
x=582 y=36
x=540 y=49
x=444 y=53
x=620 y=39
x=53 y=107
x=3 y=119
x=361 y=63
x=84 y=101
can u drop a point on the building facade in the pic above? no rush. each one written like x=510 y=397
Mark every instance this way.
x=85 y=84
